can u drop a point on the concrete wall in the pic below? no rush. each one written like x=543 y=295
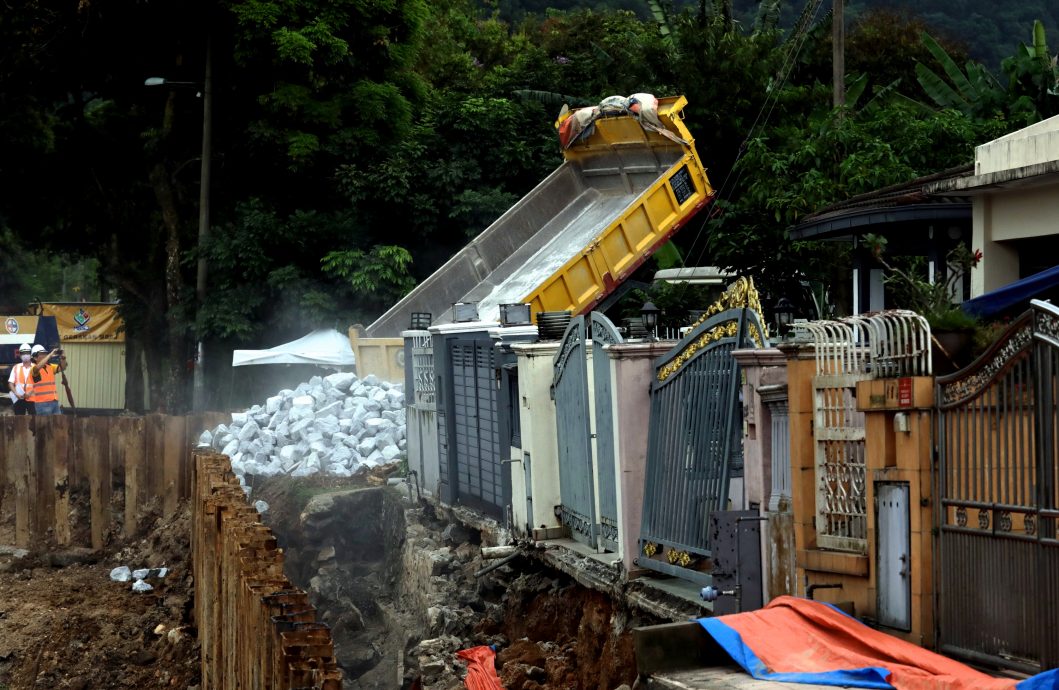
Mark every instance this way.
x=1033 y=145
x=422 y=434
x=765 y=379
x=1001 y=218
x=537 y=417
x=1026 y=207
x=632 y=371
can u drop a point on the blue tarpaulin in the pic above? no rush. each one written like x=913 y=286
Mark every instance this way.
x=801 y=641
x=1013 y=295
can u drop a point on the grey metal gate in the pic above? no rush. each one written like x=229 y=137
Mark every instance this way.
x=998 y=490
x=475 y=424
x=574 y=430
x=603 y=332
x=694 y=444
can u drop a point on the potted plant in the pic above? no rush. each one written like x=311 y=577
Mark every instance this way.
x=952 y=329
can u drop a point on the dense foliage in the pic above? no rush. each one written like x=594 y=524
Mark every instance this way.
x=358 y=144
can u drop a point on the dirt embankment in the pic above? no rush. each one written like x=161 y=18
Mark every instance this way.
x=397 y=581
x=65 y=624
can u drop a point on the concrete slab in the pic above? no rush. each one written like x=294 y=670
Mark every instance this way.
x=720 y=678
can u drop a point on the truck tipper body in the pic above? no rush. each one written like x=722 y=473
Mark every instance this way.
x=621 y=193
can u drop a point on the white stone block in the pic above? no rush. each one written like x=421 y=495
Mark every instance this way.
x=302 y=401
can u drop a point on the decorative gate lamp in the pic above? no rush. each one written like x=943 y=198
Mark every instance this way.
x=421 y=320
x=649 y=316
x=515 y=314
x=784 y=315
x=463 y=312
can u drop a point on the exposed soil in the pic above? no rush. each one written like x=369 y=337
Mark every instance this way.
x=65 y=624
x=396 y=581
x=563 y=636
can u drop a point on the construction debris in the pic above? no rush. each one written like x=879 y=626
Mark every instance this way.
x=337 y=425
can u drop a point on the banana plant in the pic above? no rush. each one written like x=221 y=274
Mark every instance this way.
x=1032 y=91
x=974 y=91
x=1033 y=75
x=661 y=17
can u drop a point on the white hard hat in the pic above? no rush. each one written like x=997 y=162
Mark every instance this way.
x=37 y=349
x=24 y=347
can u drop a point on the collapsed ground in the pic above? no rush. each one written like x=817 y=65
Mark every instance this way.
x=393 y=577
x=396 y=580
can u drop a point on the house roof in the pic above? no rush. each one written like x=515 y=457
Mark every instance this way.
x=908 y=201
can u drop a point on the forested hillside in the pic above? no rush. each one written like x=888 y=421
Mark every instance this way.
x=986 y=27
x=357 y=144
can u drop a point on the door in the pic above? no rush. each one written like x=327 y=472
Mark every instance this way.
x=893 y=579
x=574 y=432
x=476 y=427
x=604 y=333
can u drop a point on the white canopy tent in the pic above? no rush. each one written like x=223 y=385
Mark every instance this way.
x=325 y=347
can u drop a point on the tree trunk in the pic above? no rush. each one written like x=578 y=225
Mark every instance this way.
x=175 y=320
x=174 y=288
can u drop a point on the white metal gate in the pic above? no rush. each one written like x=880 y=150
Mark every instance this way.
x=838 y=432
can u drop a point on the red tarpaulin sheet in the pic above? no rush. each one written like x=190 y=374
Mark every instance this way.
x=798 y=640
x=481 y=668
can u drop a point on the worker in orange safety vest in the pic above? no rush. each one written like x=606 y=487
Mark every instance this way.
x=20 y=383
x=45 y=394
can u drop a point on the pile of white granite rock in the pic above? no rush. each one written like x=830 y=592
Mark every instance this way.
x=338 y=425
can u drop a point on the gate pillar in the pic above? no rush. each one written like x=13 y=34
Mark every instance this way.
x=767 y=463
x=898 y=414
x=632 y=370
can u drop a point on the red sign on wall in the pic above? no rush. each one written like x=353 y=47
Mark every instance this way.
x=904 y=392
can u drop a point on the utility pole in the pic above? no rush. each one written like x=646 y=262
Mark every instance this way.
x=199 y=377
x=838 y=51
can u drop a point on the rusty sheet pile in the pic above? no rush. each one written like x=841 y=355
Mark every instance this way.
x=256 y=628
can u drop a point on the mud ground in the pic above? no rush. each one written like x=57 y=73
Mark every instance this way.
x=65 y=624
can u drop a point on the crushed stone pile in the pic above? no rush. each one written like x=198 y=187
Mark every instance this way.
x=337 y=425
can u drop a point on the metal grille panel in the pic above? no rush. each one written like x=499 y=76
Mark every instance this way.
x=477 y=442
x=424 y=394
x=998 y=592
x=842 y=359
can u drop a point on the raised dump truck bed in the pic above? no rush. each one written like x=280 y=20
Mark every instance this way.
x=620 y=194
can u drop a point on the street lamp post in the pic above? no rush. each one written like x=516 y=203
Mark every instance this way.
x=198 y=395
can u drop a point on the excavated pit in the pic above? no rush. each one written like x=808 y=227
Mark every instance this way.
x=395 y=579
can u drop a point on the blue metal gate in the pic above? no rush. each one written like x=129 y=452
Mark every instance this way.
x=573 y=428
x=476 y=428
x=694 y=444
x=603 y=333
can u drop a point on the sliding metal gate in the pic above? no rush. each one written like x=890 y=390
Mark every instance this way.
x=574 y=431
x=694 y=439
x=997 y=484
x=603 y=333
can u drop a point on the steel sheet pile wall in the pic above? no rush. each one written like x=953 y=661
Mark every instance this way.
x=50 y=465
x=257 y=630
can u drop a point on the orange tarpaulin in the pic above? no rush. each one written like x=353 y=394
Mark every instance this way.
x=481 y=668
x=794 y=637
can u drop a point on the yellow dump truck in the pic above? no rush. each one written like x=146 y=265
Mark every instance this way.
x=620 y=194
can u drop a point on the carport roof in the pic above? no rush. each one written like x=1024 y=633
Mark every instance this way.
x=895 y=204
